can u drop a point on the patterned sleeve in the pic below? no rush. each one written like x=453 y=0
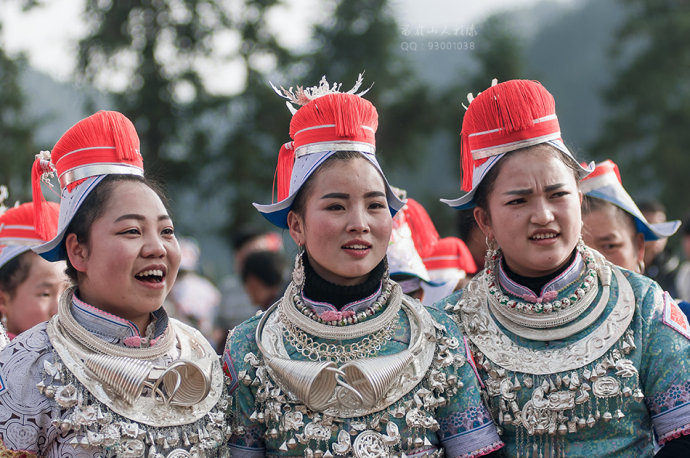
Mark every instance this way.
x=24 y=412
x=240 y=351
x=665 y=371
x=466 y=427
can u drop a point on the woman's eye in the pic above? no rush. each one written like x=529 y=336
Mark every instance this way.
x=130 y=232
x=168 y=231
x=335 y=207
x=560 y=194
x=516 y=201
x=375 y=205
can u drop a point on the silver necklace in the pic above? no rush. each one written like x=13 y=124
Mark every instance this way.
x=538 y=305
x=357 y=384
x=69 y=324
x=321 y=351
x=352 y=331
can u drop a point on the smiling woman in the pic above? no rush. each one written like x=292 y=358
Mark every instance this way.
x=110 y=374
x=567 y=345
x=344 y=364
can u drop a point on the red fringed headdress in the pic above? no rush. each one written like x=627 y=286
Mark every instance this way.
x=17 y=225
x=424 y=233
x=449 y=253
x=104 y=143
x=505 y=117
x=328 y=121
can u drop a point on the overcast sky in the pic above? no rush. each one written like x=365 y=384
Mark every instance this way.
x=48 y=35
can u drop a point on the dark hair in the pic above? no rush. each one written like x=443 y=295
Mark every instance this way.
x=591 y=204
x=15 y=272
x=244 y=235
x=267 y=266
x=94 y=206
x=685 y=226
x=298 y=203
x=466 y=223
x=487 y=185
x=651 y=206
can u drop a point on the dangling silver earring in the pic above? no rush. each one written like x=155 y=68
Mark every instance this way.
x=492 y=254
x=298 y=271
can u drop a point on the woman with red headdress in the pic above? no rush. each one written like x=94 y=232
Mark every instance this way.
x=344 y=364
x=613 y=224
x=29 y=285
x=110 y=374
x=566 y=344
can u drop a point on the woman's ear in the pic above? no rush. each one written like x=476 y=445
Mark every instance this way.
x=77 y=253
x=484 y=222
x=296 y=228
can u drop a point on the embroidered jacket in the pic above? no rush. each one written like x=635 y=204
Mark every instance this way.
x=442 y=412
x=45 y=409
x=603 y=391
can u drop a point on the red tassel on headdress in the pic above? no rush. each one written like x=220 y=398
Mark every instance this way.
x=511 y=106
x=23 y=219
x=424 y=233
x=281 y=179
x=347 y=111
x=124 y=134
x=42 y=219
x=466 y=162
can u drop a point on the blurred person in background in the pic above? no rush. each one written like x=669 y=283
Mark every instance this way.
x=450 y=265
x=30 y=286
x=446 y=262
x=263 y=277
x=613 y=224
x=248 y=240
x=193 y=298
x=469 y=232
x=661 y=264
x=405 y=265
x=236 y=306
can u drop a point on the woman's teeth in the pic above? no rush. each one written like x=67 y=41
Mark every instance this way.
x=543 y=236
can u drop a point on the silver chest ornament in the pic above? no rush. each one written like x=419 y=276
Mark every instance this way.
x=130 y=407
x=571 y=388
x=361 y=420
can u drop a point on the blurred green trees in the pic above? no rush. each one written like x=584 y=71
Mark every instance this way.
x=16 y=129
x=224 y=147
x=193 y=138
x=649 y=99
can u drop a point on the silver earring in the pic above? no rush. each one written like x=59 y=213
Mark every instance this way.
x=298 y=271
x=492 y=253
